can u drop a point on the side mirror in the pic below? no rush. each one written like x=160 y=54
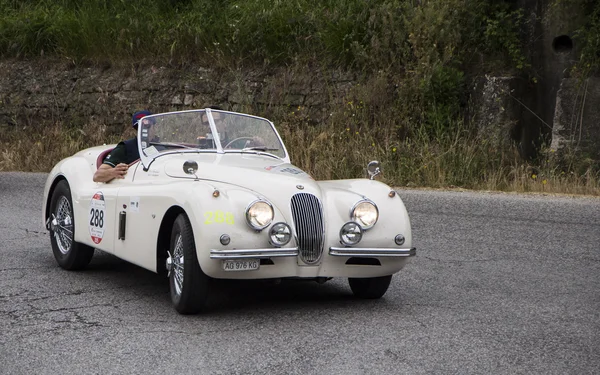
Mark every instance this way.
x=373 y=169
x=190 y=167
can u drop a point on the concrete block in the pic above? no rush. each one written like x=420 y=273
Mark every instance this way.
x=576 y=118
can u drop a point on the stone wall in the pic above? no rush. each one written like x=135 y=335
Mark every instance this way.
x=34 y=93
x=38 y=93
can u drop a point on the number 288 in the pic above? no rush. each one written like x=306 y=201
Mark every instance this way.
x=218 y=217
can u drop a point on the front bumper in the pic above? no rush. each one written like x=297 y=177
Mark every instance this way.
x=286 y=262
x=293 y=252
x=372 y=252
x=254 y=253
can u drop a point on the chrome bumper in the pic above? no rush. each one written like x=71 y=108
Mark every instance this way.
x=254 y=253
x=371 y=252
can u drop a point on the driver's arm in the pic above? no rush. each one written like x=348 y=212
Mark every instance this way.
x=107 y=172
x=112 y=166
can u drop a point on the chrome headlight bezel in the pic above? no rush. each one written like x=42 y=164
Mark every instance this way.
x=361 y=210
x=351 y=233
x=278 y=230
x=252 y=214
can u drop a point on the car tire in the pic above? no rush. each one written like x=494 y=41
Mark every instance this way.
x=188 y=284
x=370 y=288
x=69 y=254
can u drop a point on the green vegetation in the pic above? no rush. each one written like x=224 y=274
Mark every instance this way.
x=413 y=59
x=355 y=33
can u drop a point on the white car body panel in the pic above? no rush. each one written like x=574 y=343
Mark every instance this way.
x=146 y=195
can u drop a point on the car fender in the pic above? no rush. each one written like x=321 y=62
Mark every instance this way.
x=218 y=209
x=393 y=219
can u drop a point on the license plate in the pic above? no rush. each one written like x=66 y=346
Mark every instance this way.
x=241 y=265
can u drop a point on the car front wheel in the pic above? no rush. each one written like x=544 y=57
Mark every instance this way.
x=371 y=287
x=69 y=254
x=188 y=284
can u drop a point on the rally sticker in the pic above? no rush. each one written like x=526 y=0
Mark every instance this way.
x=150 y=151
x=278 y=168
x=134 y=204
x=96 y=215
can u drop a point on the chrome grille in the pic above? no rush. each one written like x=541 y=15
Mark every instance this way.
x=308 y=220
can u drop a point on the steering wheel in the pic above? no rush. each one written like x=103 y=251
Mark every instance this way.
x=228 y=145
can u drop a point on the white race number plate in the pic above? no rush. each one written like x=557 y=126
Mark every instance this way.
x=241 y=265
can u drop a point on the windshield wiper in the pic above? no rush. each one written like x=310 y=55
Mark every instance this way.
x=261 y=150
x=169 y=144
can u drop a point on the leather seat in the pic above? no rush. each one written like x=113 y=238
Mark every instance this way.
x=101 y=157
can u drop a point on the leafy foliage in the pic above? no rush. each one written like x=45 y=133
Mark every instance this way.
x=413 y=60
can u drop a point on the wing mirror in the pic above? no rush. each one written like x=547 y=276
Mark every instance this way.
x=373 y=169
x=190 y=167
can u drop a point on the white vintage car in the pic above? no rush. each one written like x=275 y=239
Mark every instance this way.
x=214 y=195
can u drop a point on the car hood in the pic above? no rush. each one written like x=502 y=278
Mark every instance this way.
x=256 y=172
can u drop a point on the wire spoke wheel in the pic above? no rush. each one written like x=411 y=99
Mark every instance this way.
x=63 y=231
x=188 y=283
x=69 y=254
x=178 y=265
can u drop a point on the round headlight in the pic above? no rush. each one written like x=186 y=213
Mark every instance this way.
x=259 y=215
x=351 y=233
x=280 y=234
x=365 y=213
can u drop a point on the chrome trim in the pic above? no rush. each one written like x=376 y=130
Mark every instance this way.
x=254 y=253
x=372 y=252
x=375 y=172
x=252 y=204
x=307 y=213
x=342 y=237
x=364 y=199
x=213 y=129
x=271 y=234
x=147 y=160
x=62 y=225
x=178 y=264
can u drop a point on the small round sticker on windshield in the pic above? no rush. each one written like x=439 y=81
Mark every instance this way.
x=97 y=215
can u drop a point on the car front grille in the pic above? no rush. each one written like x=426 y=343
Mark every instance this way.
x=308 y=220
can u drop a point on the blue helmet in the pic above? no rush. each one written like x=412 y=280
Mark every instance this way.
x=138 y=116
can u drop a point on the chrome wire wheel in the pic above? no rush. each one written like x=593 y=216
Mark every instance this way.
x=63 y=225
x=69 y=254
x=177 y=263
x=188 y=285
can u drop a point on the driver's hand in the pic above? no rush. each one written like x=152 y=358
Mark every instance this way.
x=120 y=170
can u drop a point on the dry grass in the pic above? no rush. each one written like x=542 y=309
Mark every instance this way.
x=37 y=150
x=334 y=150
x=337 y=150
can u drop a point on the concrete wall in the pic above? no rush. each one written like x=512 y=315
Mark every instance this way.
x=544 y=106
x=577 y=117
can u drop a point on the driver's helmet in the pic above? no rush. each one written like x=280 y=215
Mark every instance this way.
x=140 y=115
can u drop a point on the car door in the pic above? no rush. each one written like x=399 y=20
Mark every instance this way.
x=97 y=214
x=138 y=219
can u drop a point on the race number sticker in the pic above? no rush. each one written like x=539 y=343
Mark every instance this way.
x=97 y=215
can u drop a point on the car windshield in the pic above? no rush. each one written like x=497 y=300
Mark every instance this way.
x=193 y=131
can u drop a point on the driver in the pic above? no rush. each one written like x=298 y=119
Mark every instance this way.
x=115 y=165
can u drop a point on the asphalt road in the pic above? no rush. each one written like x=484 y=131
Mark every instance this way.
x=502 y=284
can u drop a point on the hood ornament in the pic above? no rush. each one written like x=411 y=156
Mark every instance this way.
x=300 y=187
